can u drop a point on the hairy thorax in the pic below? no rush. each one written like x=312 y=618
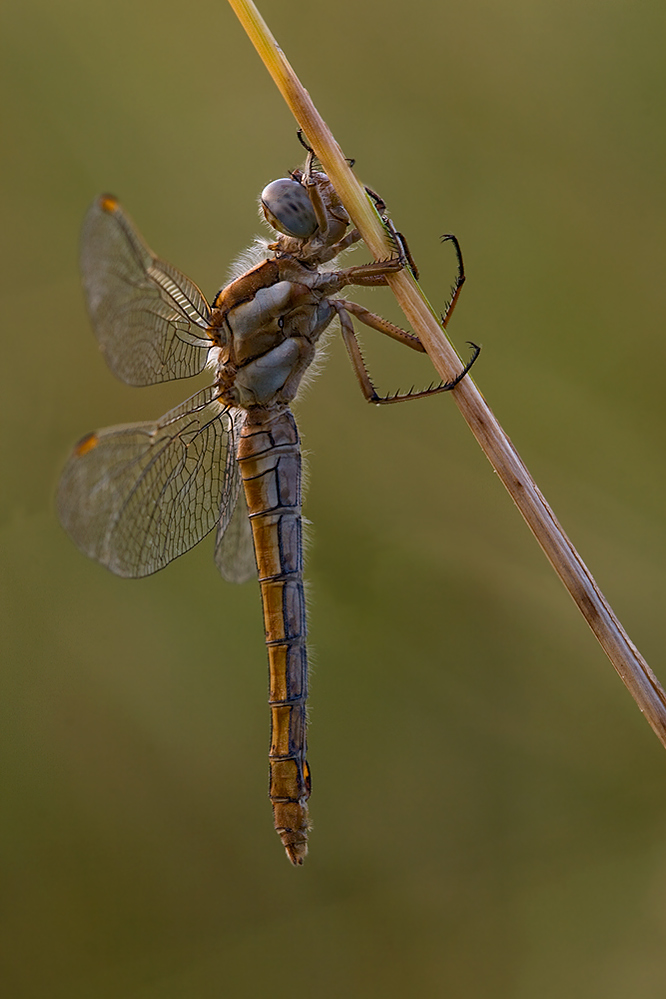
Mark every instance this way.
x=266 y=325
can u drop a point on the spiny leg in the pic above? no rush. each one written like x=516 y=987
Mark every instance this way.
x=300 y=135
x=433 y=389
x=460 y=278
x=403 y=246
x=398 y=238
x=380 y=324
x=364 y=275
x=355 y=356
x=343 y=309
x=314 y=194
x=374 y=274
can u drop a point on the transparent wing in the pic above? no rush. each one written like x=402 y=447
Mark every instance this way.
x=234 y=547
x=135 y=497
x=149 y=319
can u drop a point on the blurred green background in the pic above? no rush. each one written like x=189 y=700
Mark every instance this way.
x=488 y=802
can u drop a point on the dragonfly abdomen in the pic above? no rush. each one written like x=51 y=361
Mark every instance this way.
x=269 y=456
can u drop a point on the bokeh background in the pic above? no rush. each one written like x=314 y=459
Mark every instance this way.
x=489 y=805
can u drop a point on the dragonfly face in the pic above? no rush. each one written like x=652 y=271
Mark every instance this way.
x=136 y=496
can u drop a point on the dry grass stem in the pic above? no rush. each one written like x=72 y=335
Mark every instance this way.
x=630 y=665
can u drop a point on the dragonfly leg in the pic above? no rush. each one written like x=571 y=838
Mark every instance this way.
x=382 y=325
x=364 y=275
x=314 y=194
x=459 y=282
x=403 y=246
x=397 y=237
x=355 y=355
x=349 y=337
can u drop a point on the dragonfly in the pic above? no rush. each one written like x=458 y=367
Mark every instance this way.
x=136 y=496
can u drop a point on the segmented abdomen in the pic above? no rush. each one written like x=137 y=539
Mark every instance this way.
x=269 y=456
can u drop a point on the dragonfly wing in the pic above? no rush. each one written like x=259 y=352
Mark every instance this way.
x=135 y=497
x=234 y=547
x=149 y=319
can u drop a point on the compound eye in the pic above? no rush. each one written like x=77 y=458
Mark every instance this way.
x=288 y=209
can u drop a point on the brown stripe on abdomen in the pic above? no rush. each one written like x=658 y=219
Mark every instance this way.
x=270 y=462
